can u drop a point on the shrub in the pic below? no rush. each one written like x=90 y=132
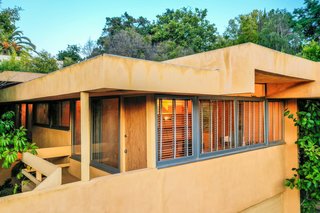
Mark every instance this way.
x=307 y=176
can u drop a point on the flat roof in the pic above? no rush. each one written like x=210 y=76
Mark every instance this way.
x=231 y=70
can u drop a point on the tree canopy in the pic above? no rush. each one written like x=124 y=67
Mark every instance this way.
x=174 y=33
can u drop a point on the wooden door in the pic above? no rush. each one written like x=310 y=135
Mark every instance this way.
x=135 y=133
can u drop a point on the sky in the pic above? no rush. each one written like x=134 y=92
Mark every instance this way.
x=53 y=24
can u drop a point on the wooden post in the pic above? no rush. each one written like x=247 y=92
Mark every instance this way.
x=85 y=136
x=38 y=176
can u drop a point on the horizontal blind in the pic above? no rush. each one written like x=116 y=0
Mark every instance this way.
x=275 y=121
x=216 y=125
x=250 y=123
x=174 y=120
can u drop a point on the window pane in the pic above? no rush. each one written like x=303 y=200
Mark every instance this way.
x=174 y=128
x=42 y=114
x=96 y=129
x=65 y=113
x=55 y=114
x=110 y=132
x=105 y=144
x=29 y=120
x=23 y=115
x=77 y=130
x=217 y=125
x=251 y=123
x=165 y=129
x=275 y=121
x=60 y=114
x=205 y=126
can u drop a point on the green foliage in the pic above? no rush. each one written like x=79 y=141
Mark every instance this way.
x=12 y=40
x=311 y=51
x=307 y=176
x=43 y=62
x=273 y=29
x=308 y=19
x=277 y=32
x=8 y=18
x=12 y=140
x=115 y=24
x=70 y=56
x=175 y=33
x=128 y=43
x=15 y=43
x=186 y=28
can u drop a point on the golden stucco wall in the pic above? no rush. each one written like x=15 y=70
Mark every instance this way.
x=46 y=137
x=272 y=205
x=227 y=184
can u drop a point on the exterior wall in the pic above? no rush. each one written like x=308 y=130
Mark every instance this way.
x=291 y=197
x=237 y=65
x=226 y=184
x=46 y=137
x=274 y=205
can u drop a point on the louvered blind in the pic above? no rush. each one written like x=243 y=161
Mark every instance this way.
x=275 y=121
x=216 y=125
x=251 y=123
x=174 y=121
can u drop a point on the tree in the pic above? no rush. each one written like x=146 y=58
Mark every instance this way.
x=308 y=19
x=115 y=24
x=88 y=49
x=168 y=50
x=278 y=32
x=245 y=28
x=70 y=56
x=8 y=18
x=311 y=51
x=274 y=29
x=128 y=43
x=43 y=63
x=186 y=28
x=15 y=43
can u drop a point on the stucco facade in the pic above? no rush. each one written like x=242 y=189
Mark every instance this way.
x=249 y=179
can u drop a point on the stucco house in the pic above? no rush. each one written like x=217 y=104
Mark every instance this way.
x=201 y=133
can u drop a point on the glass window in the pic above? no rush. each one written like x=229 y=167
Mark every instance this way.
x=53 y=114
x=174 y=118
x=216 y=125
x=60 y=114
x=251 y=123
x=105 y=144
x=275 y=121
x=76 y=148
x=42 y=113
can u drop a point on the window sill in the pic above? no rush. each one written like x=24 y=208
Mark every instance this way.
x=97 y=165
x=103 y=167
x=218 y=154
x=76 y=157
